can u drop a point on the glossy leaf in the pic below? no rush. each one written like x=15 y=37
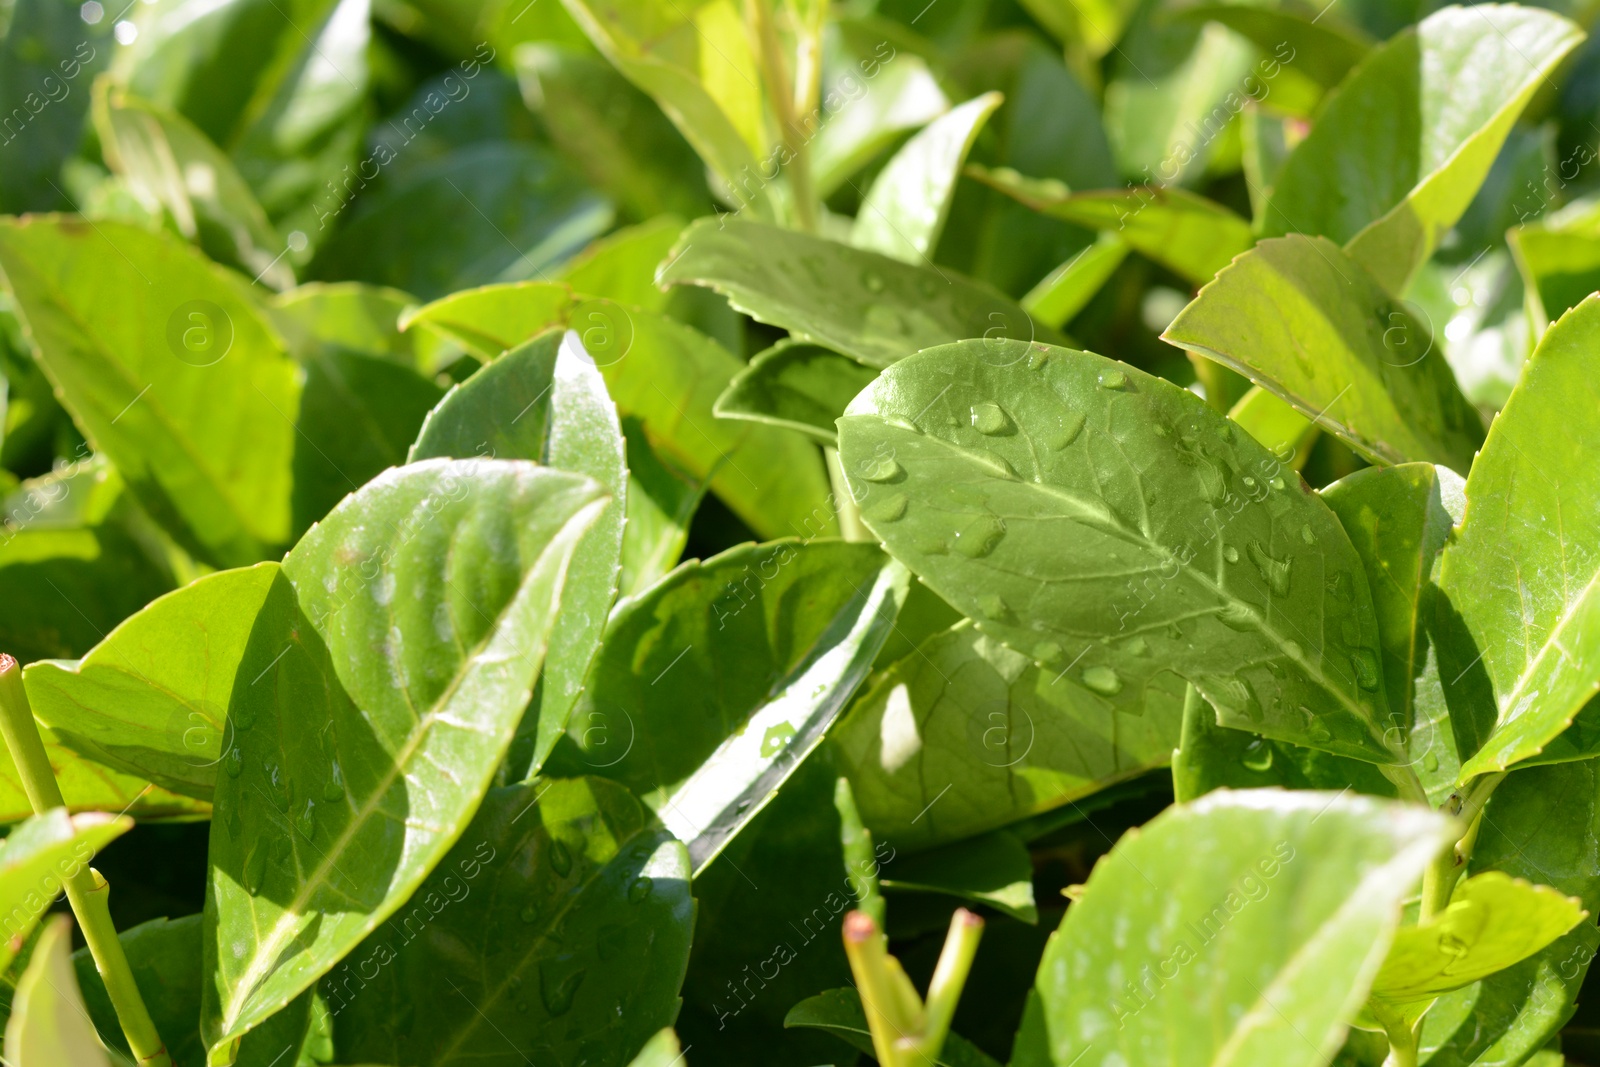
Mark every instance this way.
x=1110 y=525
x=516 y=937
x=622 y=266
x=452 y=570
x=662 y=500
x=613 y=131
x=173 y=168
x=714 y=685
x=170 y=372
x=517 y=211
x=797 y=385
x=38 y=856
x=152 y=698
x=1559 y=259
x=1493 y=921
x=90 y=786
x=1520 y=575
x=546 y=402
x=1398 y=519
x=864 y=305
x=1063 y=292
x=667 y=377
x=993 y=869
x=1540 y=826
x=1403 y=144
x=164 y=958
x=1183 y=231
x=1306 y=321
x=1242 y=928
x=963 y=735
x=48 y=1024
x=903 y=213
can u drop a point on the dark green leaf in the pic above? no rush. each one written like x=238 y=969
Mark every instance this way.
x=993 y=869
x=859 y=303
x=1243 y=928
x=714 y=685
x=171 y=373
x=1112 y=526
x=964 y=735
x=839 y=1012
x=388 y=669
x=796 y=385
x=1306 y=321
x=47 y=63
x=556 y=930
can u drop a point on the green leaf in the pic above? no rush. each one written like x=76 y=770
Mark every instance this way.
x=281 y=87
x=171 y=167
x=613 y=131
x=516 y=937
x=164 y=958
x=1285 y=432
x=1183 y=231
x=797 y=385
x=1243 y=928
x=662 y=1050
x=37 y=857
x=872 y=93
x=389 y=667
x=993 y=869
x=714 y=685
x=358 y=416
x=1304 y=320
x=1096 y=25
x=1492 y=922
x=1325 y=51
x=903 y=213
x=1540 y=826
x=622 y=266
x=1402 y=145
x=546 y=402
x=50 y=56
x=1111 y=525
x=661 y=501
x=839 y=1012
x=354 y=317
x=1559 y=260
x=170 y=372
x=152 y=698
x=963 y=735
x=48 y=1024
x=89 y=786
x=667 y=377
x=697 y=61
x=1520 y=577
x=1065 y=291
x=514 y=210
x=864 y=305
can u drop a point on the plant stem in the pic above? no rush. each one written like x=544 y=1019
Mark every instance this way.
x=1439 y=880
x=949 y=978
x=1402 y=1038
x=87 y=891
x=781 y=90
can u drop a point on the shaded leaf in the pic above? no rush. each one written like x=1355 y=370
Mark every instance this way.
x=993 y=869
x=1110 y=525
x=452 y=569
x=797 y=385
x=839 y=1012
x=354 y=317
x=1304 y=320
x=963 y=735
x=1243 y=928
x=566 y=880
x=48 y=60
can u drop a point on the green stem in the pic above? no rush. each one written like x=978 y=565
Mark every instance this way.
x=87 y=891
x=1439 y=880
x=949 y=978
x=781 y=90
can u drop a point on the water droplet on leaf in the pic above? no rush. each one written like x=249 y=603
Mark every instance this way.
x=1307 y=536
x=560 y=859
x=881 y=469
x=987 y=418
x=557 y=989
x=1276 y=572
x=1113 y=379
x=889 y=509
x=640 y=889
x=1366 y=667
x=992 y=606
x=980 y=537
x=1230 y=554
x=1102 y=680
x=305 y=820
x=1047 y=652
x=1071 y=426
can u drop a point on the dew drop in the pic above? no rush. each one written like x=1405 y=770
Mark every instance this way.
x=987 y=418
x=233 y=762
x=1318 y=729
x=529 y=913
x=278 y=787
x=640 y=889
x=1102 y=680
x=560 y=859
x=981 y=536
x=1276 y=482
x=1047 y=652
x=1307 y=536
x=1038 y=358
x=1225 y=431
x=1071 y=426
x=1113 y=379
x=1275 y=571
x=1366 y=667
x=930 y=546
x=1213 y=481
x=903 y=424
x=1258 y=755
x=333 y=789
x=305 y=820
x=1430 y=762
x=1249 y=482
x=1236 y=616
x=557 y=990
x=1137 y=646
x=255 y=868
x=1293 y=649
x=881 y=469
x=1230 y=554
x=244 y=715
x=889 y=509
x=992 y=606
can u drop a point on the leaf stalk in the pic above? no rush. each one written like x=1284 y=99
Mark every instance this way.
x=87 y=891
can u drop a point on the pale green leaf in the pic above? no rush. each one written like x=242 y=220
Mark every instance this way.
x=36 y=859
x=1285 y=432
x=871 y=94
x=48 y=1025
x=1112 y=526
x=1063 y=292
